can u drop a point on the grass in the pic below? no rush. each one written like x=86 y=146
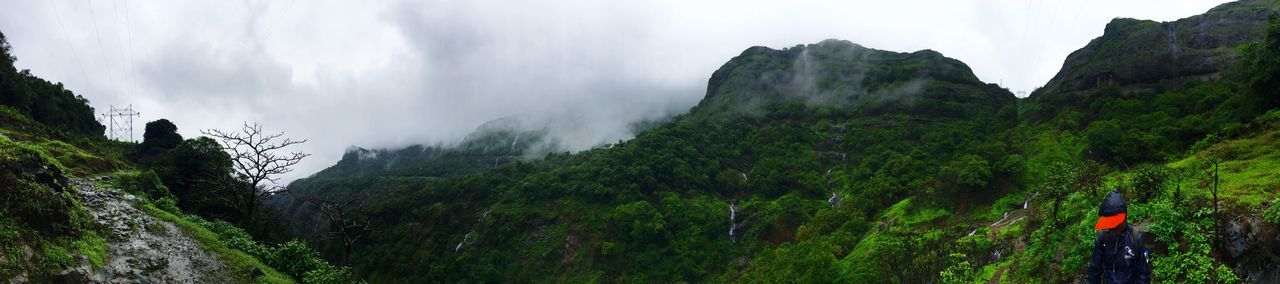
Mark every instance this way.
x=209 y=241
x=93 y=247
x=1248 y=172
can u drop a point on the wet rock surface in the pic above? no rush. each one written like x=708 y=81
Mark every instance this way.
x=142 y=248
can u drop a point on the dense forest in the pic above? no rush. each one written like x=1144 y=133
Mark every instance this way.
x=833 y=162
x=824 y=162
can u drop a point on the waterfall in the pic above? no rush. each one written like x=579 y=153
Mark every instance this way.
x=733 y=223
x=486 y=214
x=513 y=142
x=1173 y=39
x=473 y=230
x=1027 y=202
x=1006 y=216
x=835 y=200
x=464 y=240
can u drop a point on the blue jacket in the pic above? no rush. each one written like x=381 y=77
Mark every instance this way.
x=1118 y=258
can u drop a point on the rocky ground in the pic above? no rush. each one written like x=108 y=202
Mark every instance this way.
x=142 y=248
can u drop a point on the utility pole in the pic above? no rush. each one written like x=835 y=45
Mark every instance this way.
x=120 y=122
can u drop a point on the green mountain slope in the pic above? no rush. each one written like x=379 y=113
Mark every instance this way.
x=835 y=162
x=657 y=207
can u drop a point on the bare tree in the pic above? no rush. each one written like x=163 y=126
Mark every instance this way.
x=343 y=226
x=255 y=158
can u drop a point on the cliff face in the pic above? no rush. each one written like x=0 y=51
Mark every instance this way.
x=1141 y=53
x=841 y=74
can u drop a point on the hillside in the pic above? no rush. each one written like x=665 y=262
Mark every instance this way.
x=79 y=208
x=815 y=163
x=1144 y=54
x=656 y=207
x=833 y=161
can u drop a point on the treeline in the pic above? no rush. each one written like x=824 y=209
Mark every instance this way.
x=656 y=208
x=797 y=191
x=43 y=101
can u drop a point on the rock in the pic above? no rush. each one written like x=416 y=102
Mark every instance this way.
x=142 y=248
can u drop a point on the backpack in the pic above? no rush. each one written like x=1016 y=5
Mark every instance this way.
x=1137 y=240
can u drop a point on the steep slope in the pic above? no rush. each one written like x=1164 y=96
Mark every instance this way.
x=1180 y=126
x=753 y=168
x=1165 y=86
x=60 y=222
x=142 y=248
x=835 y=162
x=1138 y=54
x=847 y=77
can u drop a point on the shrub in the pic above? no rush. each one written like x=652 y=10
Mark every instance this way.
x=1273 y=214
x=1149 y=182
x=329 y=274
x=36 y=193
x=168 y=204
x=143 y=184
x=295 y=258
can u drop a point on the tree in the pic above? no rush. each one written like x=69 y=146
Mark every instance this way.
x=1058 y=186
x=968 y=172
x=1264 y=62
x=343 y=225
x=1213 y=158
x=160 y=136
x=13 y=90
x=195 y=172
x=1089 y=178
x=1149 y=181
x=255 y=159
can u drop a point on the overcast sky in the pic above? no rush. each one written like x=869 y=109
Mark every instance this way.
x=393 y=73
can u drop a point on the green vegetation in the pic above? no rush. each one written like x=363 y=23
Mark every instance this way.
x=828 y=162
x=43 y=224
x=48 y=103
x=839 y=162
x=655 y=208
x=48 y=136
x=243 y=263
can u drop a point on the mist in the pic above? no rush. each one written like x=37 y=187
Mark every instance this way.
x=388 y=74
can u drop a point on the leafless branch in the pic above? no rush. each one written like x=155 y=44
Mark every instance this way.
x=255 y=159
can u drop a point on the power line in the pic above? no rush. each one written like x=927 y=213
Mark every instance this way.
x=267 y=31
x=84 y=75
x=101 y=50
x=133 y=70
x=115 y=8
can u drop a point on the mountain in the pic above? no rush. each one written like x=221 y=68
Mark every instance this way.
x=841 y=75
x=836 y=162
x=492 y=144
x=870 y=129
x=1165 y=86
x=1143 y=54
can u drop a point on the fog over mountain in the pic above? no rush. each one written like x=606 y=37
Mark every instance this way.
x=395 y=73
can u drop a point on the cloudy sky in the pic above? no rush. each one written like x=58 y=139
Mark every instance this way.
x=392 y=73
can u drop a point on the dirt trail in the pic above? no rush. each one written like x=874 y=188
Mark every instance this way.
x=142 y=248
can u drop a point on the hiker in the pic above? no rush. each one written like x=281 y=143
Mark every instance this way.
x=1118 y=254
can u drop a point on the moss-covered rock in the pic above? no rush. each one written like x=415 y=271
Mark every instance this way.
x=35 y=192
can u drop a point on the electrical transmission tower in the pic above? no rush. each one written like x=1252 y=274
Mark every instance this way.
x=120 y=122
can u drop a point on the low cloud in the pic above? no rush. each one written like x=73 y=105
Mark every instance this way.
x=395 y=73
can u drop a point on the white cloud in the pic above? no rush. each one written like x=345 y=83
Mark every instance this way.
x=386 y=73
